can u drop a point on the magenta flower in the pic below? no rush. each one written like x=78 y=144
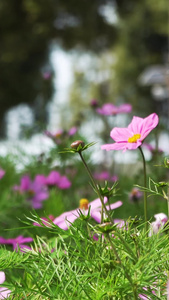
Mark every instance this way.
x=4 y=292
x=110 y=109
x=67 y=218
x=35 y=191
x=53 y=178
x=2 y=173
x=132 y=137
x=17 y=243
x=64 y=183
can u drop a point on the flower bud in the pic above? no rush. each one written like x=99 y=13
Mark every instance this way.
x=76 y=144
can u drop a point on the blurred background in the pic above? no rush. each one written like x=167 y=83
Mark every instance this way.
x=57 y=56
x=60 y=62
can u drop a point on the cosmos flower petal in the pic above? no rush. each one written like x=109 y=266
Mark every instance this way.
x=120 y=134
x=114 y=205
x=4 y=293
x=143 y=126
x=131 y=137
x=2 y=277
x=96 y=203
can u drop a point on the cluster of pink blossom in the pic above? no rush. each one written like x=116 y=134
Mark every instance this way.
x=110 y=109
x=37 y=190
x=105 y=176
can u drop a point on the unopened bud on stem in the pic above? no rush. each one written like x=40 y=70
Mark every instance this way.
x=77 y=144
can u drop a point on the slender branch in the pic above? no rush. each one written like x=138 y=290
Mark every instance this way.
x=97 y=190
x=145 y=185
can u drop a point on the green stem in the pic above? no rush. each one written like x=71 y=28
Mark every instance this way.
x=168 y=201
x=96 y=189
x=103 y=205
x=145 y=185
x=120 y=262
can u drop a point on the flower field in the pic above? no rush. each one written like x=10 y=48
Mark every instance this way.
x=72 y=228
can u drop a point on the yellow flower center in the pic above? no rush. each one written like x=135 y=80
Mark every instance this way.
x=134 y=138
x=84 y=203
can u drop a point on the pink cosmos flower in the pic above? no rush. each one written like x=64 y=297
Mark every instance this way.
x=17 y=243
x=161 y=220
x=109 y=109
x=64 y=220
x=2 y=173
x=132 y=137
x=4 y=292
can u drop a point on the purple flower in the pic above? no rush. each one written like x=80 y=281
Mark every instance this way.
x=35 y=191
x=4 y=292
x=2 y=173
x=105 y=175
x=65 y=219
x=161 y=220
x=64 y=183
x=17 y=243
x=53 y=178
x=110 y=109
x=132 y=137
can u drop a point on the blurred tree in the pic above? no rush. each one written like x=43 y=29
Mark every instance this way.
x=142 y=41
x=27 y=29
